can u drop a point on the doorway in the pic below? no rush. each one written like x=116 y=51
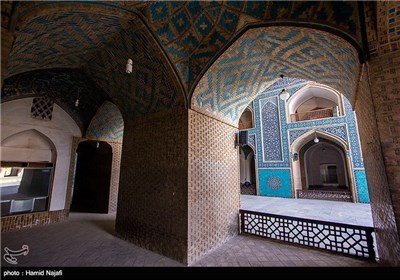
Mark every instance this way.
x=91 y=189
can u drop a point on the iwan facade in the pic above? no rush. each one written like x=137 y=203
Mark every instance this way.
x=303 y=146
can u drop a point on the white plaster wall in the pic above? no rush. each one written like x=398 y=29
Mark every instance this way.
x=315 y=102
x=296 y=175
x=27 y=146
x=15 y=118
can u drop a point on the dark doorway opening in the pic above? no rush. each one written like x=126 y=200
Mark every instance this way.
x=92 y=177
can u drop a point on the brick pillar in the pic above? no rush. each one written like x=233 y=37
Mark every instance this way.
x=179 y=184
x=377 y=108
x=384 y=70
x=378 y=186
x=114 y=180
x=152 y=206
x=214 y=188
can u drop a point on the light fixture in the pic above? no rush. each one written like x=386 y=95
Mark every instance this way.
x=97 y=145
x=284 y=95
x=77 y=99
x=316 y=140
x=128 y=68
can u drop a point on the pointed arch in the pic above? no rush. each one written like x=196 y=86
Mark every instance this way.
x=28 y=146
x=310 y=91
x=256 y=59
x=302 y=145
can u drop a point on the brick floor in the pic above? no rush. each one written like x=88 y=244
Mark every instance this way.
x=88 y=240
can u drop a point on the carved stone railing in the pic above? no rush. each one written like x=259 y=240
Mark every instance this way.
x=347 y=239
x=325 y=195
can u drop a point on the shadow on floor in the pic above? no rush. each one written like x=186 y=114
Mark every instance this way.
x=104 y=222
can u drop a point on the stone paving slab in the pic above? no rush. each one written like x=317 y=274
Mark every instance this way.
x=332 y=211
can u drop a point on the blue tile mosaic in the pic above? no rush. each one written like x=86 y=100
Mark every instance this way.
x=107 y=124
x=275 y=182
x=362 y=187
x=271 y=131
x=277 y=145
x=252 y=140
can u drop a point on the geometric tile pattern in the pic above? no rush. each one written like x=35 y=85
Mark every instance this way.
x=107 y=124
x=394 y=21
x=275 y=182
x=271 y=131
x=325 y=195
x=339 y=131
x=101 y=45
x=343 y=127
x=354 y=141
x=362 y=187
x=252 y=141
x=61 y=86
x=255 y=60
x=346 y=239
x=193 y=32
x=151 y=87
x=66 y=39
x=42 y=108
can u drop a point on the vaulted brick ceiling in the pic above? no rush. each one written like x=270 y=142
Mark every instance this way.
x=172 y=43
x=62 y=86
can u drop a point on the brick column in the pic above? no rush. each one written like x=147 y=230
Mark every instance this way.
x=378 y=186
x=214 y=188
x=385 y=89
x=152 y=209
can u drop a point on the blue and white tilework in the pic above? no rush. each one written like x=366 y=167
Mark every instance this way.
x=271 y=131
x=275 y=182
x=273 y=137
x=362 y=187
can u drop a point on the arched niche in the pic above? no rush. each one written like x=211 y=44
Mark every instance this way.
x=26 y=173
x=314 y=101
x=28 y=146
x=299 y=150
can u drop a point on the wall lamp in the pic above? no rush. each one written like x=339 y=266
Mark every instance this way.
x=128 y=68
x=316 y=140
x=284 y=95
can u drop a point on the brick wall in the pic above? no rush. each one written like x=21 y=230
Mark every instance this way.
x=68 y=195
x=382 y=138
x=214 y=186
x=380 y=196
x=7 y=39
x=385 y=90
x=18 y=222
x=387 y=37
x=152 y=200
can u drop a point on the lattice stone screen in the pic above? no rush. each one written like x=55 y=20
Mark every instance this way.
x=42 y=108
x=325 y=195
x=342 y=238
